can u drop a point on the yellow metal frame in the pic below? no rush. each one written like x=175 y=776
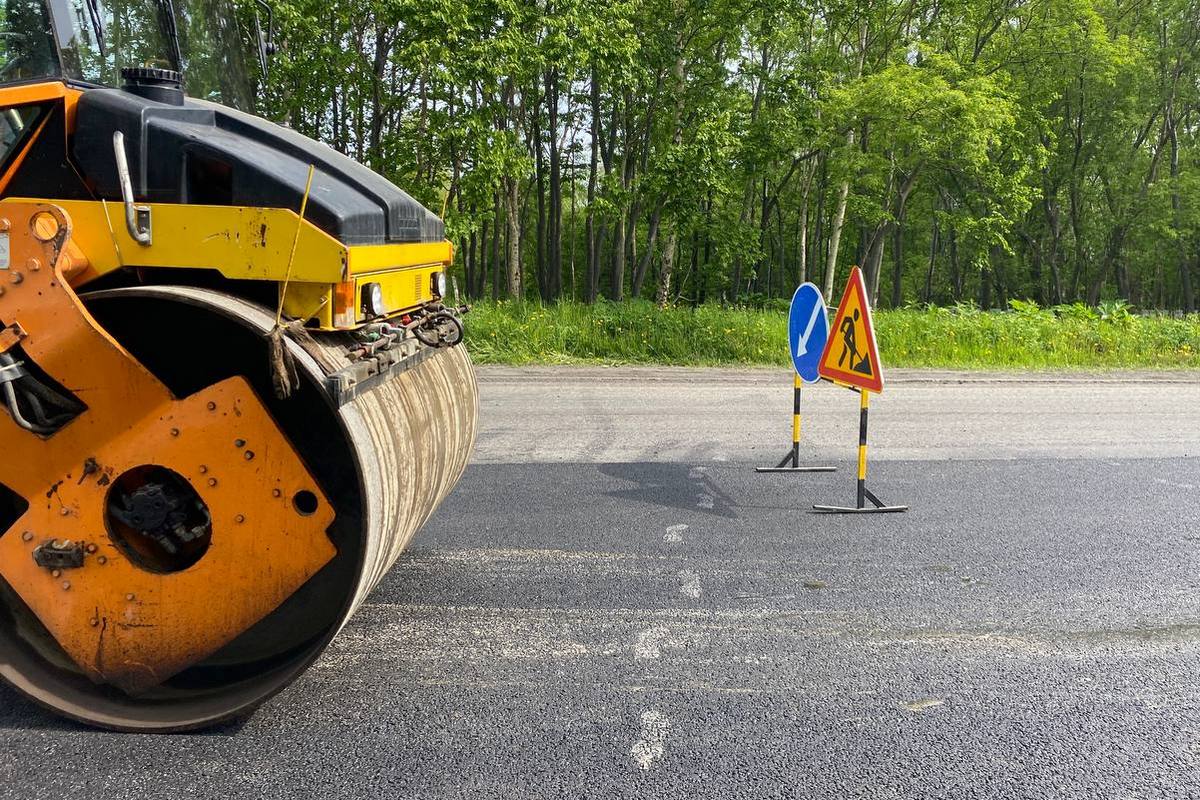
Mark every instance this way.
x=245 y=243
x=241 y=243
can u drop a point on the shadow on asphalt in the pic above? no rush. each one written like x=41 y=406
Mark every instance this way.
x=671 y=486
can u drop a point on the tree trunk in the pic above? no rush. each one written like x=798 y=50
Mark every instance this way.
x=593 y=254
x=639 y=271
x=616 y=276
x=539 y=167
x=996 y=259
x=513 y=218
x=663 y=296
x=496 y=245
x=601 y=238
x=933 y=251
x=379 y=64
x=1188 y=299
x=472 y=264
x=898 y=263
x=554 y=244
x=835 y=230
x=802 y=248
x=985 y=287
x=1053 y=257
x=1077 y=234
x=763 y=265
x=873 y=259
x=956 y=276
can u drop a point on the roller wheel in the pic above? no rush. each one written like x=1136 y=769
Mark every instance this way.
x=383 y=462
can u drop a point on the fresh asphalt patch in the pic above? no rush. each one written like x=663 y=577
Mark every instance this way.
x=1031 y=628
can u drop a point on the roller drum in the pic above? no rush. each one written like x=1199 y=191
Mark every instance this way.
x=386 y=459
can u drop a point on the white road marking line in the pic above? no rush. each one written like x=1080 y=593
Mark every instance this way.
x=691 y=584
x=917 y=706
x=1166 y=482
x=648 y=643
x=649 y=747
x=674 y=533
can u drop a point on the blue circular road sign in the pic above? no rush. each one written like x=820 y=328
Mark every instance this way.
x=808 y=330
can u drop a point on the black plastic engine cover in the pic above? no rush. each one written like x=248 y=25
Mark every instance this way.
x=209 y=154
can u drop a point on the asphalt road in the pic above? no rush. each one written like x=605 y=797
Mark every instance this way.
x=681 y=415
x=615 y=605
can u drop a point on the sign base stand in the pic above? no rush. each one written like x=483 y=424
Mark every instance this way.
x=864 y=494
x=877 y=506
x=791 y=462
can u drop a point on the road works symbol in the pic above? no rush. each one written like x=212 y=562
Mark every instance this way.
x=808 y=330
x=851 y=357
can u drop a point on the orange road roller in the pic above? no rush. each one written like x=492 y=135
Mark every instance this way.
x=231 y=382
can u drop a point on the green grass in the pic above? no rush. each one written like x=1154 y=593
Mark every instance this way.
x=1066 y=337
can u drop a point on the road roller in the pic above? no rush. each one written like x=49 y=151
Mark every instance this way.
x=232 y=385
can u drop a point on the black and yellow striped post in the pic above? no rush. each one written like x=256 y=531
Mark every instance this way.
x=863 y=405
x=864 y=494
x=791 y=462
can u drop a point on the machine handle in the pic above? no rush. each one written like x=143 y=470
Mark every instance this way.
x=266 y=42
x=137 y=218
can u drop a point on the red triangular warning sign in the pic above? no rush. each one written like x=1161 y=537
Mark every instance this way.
x=850 y=356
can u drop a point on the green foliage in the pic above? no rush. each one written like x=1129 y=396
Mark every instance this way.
x=963 y=337
x=1040 y=151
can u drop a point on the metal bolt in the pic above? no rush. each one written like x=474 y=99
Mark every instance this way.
x=91 y=548
x=276 y=493
x=203 y=470
x=33 y=264
x=239 y=519
x=65 y=512
x=4 y=224
x=249 y=455
x=56 y=573
x=174 y=431
x=239 y=442
x=66 y=585
x=102 y=560
x=27 y=536
x=17 y=277
x=93 y=622
x=212 y=406
x=129 y=597
x=45 y=226
x=212 y=481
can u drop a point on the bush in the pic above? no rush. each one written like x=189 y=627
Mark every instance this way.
x=637 y=332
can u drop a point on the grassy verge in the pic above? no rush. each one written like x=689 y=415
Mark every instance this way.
x=1068 y=337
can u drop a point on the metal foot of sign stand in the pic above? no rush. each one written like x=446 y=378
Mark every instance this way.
x=864 y=494
x=791 y=462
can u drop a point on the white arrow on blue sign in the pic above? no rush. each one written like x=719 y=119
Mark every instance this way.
x=808 y=330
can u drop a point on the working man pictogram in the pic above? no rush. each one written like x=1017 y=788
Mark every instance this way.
x=850 y=347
